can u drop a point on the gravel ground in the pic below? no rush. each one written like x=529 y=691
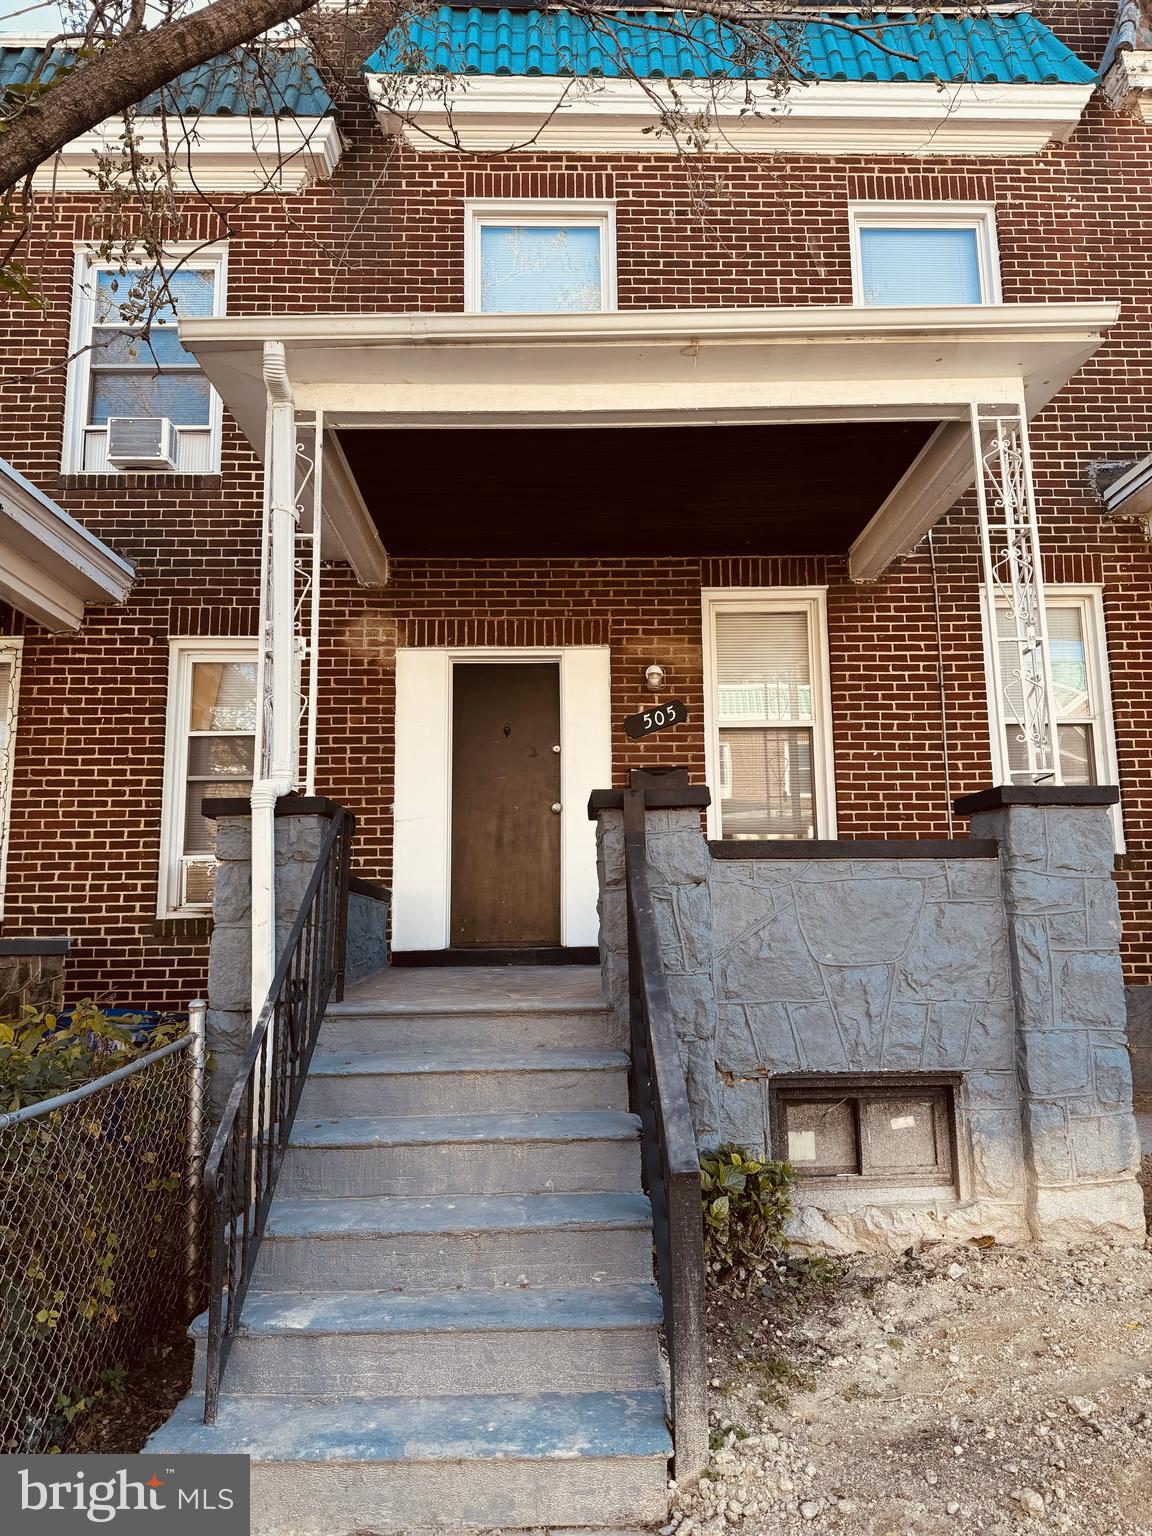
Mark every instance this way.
x=956 y=1390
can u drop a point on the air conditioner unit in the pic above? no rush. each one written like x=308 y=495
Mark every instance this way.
x=141 y=442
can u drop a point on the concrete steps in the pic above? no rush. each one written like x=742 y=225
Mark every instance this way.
x=452 y=1321
x=340 y=1344
x=461 y=1082
x=462 y=1154
x=385 y=1464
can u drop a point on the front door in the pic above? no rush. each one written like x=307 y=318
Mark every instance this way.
x=505 y=803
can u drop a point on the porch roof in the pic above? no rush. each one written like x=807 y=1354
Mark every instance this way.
x=50 y=564
x=666 y=368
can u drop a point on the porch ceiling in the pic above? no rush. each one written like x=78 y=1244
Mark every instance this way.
x=797 y=489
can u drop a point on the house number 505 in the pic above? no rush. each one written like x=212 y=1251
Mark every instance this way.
x=659 y=718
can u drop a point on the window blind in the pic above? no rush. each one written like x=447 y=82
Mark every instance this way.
x=923 y=265
x=540 y=268
x=763 y=667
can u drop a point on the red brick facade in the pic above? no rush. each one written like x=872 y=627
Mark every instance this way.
x=386 y=233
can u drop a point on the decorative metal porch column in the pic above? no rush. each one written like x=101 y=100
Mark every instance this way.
x=1014 y=586
x=288 y=638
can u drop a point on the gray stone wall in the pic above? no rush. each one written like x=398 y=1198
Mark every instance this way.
x=30 y=981
x=366 y=953
x=229 y=1024
x=1139 y=1020
x=780 y=966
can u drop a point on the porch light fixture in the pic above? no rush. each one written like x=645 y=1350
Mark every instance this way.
x=654 y=676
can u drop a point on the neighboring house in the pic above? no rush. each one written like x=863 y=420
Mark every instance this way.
x=822 y=435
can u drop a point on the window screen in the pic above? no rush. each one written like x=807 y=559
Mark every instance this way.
x=764 y=713
x=920 y=265
x=219 y=760
x=541 y=268
x=1077 y=720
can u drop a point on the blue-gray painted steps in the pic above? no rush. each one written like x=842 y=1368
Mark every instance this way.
x=453 y=1320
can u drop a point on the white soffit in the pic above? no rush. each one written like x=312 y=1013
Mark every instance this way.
x=478 y=113
x=1127 y=83
x=217 y=154
x=50 y=565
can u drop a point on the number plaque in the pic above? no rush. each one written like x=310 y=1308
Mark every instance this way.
x=658 y=718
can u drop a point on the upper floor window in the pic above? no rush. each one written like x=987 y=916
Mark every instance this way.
x=934 y=253
x=137 y=400
x=211 y=739
x=539 y=258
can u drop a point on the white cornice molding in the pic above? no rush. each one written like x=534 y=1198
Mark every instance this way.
x=1127 y=84
x=50 y=565
x=484 y=113
x=215 y=154
x=1131 y=495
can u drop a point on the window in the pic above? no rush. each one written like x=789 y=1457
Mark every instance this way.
x=768 y=714
x=932 y=253
x=116 y=372
x=539 y=258
x=9 y=687
x=1083 y=696
x=211 y=740
x=892 y=1130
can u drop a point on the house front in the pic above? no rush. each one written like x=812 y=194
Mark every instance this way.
x=513 y=450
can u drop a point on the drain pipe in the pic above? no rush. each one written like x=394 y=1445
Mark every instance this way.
x=277 y=728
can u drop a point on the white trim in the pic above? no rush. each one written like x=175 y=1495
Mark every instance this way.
x=1088 y=598
x=249 y=154
x=422 y=875
x=813 y=603
x=184 y=653
x=11 y=650
x=574 y=212
x=828 y=117
x=1127 y=83
x=979 y=217
x=76 y=430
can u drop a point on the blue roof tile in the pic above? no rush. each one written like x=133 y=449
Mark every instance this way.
x=265 y=82
x=1012 y=49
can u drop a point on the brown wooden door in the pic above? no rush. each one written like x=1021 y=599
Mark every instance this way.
x=505 y=783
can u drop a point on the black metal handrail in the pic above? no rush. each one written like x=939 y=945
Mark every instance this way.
x=244 y=1163
x=670 y=1159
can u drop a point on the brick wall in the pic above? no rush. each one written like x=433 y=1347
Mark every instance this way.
x=386 y=233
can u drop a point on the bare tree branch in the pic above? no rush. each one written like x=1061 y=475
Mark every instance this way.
x=126 y=72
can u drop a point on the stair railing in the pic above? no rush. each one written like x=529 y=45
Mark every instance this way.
x=670 y=1159
x=244 y=1162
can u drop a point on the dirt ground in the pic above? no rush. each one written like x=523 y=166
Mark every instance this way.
x=957 y=1390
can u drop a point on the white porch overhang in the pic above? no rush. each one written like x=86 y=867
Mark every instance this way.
x=641 y=368
x=50 y=565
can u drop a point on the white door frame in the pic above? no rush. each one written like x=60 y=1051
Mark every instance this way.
x=422 y=810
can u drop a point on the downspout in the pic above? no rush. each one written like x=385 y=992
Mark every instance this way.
x=277 y=744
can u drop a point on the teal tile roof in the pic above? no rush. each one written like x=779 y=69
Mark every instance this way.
x=1006 y=49
x=265 y=82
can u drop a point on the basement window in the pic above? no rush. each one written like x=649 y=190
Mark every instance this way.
x=884 y=1130
x=924 y=254
x=533 y=257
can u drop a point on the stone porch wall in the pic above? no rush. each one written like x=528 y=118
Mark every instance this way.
x=859 y=964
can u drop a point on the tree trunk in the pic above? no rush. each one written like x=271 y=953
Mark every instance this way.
x=125 y=72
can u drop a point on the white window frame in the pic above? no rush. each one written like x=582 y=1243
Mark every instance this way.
x=813 y=603
x=978 y=216
x=11 y=652
x=572 y=211
x=184 y=653
x=76 y=430
x=1089 y=600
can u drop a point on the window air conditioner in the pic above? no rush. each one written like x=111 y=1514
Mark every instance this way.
x=141 y=442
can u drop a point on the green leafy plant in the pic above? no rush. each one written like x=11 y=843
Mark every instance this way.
x=41 y=1056
x=746 y=1211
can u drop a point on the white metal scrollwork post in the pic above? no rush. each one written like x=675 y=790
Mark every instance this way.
x=1014 y=585
x=307 y=612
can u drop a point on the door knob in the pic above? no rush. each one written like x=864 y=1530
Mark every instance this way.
x=557 y=807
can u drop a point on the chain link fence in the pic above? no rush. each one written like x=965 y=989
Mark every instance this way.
x=99 y=1237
